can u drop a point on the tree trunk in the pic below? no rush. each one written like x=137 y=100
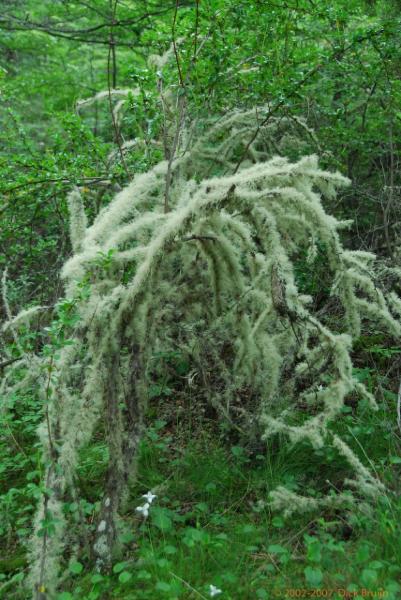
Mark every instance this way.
x=125 y=429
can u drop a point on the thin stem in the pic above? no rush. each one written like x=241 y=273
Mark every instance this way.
x=177 y=59
x=196 y=29
x=112 y=82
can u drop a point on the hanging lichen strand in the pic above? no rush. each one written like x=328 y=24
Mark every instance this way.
x=214 y=277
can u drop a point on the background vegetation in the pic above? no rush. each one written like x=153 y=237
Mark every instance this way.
x=337 y=65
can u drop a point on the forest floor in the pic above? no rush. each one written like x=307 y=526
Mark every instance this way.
x=210 y=531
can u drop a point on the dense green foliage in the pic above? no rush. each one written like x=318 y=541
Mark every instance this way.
x=335 y=65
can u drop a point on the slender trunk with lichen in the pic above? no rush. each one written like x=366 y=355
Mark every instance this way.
x=124 y=429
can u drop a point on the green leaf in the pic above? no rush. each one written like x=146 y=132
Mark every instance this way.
x=229 y=577
x=64 y=596
x=363 y=553
x=161 y=519
x=163 y=563
x=145 y=575
x=314 y=577
x=163 y=586
x=278 y=522
x=124 y=577
x=239 y=453
x=314 y=551
x=76 y=568
x=249 y=528
x=118 y=567
x=393 y=587
x=368 y=577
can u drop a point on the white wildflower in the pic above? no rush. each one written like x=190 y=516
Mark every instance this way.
x=144 y=510
x=214 y=591
x=149 y=497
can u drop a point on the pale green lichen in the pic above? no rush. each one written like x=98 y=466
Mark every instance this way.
x=214 y=276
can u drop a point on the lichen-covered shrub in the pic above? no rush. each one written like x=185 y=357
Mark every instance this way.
x=204 y=264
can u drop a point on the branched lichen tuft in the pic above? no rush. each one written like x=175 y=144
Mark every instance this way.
x=216 y=276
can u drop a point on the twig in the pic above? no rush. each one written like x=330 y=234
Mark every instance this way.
x=180 y=115
x=300 y=84
x=181 y=105
x=188 y=585
x=177 y=59
x=196 y=29
x=13 y=23
x=6 y=363
x=41 y=587
x=272 y=111
x=85 y=180
x=112 y=80
x=46 y=28
x=200 y=238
